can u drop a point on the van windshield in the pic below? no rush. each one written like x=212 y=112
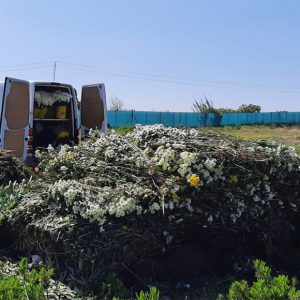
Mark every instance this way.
x=53 y=116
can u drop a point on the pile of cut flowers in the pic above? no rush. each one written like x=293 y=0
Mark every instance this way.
x=113 y=202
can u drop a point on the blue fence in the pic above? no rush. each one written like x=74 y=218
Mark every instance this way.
x=125 y=118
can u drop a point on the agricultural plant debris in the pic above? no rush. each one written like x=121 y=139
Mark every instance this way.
x=113 y=202
x=11 y=169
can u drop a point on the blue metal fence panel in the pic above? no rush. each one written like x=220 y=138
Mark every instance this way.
x=242 y=118
x=192 y=120
x=202 y=119
x=251 y=118
x=231 y=119
x=139 y=117
x=225 y=120
x=290 y=118
x=130 y=118
x=177 y=119
x=167 y=119
x=260 y=119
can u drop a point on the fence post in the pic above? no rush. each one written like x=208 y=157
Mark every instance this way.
x=132 y=117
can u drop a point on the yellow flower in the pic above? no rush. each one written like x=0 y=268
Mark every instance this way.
x=193 y=180
x=63 y=134
x=233 y=179
x=69 y=156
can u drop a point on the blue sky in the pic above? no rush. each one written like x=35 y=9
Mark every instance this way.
x=160 y=54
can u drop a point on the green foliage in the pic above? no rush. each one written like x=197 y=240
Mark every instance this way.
x=28 y=284
x=207 y=106
x=153 y=294
x=297 y=148
x=113 y=288
x=249 y=108
x=123 y=130
x=266 y=287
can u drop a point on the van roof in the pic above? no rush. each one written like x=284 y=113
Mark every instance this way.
x=49 y=82
x=43 y=82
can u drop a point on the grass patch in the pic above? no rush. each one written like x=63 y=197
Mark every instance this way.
x=123 y=130
x=289 y=135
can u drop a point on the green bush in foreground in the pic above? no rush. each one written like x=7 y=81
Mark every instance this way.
x=113 y=288
x=153 y=294
x=28 y=284
x=266 y=287
x=34 y=284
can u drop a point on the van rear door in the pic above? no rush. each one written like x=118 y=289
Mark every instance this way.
x=14 y=119
x=93 y=108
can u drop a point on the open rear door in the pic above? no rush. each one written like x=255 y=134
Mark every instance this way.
x=15 y=117
x=93 y=108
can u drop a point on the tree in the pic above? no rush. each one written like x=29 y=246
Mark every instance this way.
x=116 y=104
x=249 y=108
x=204 y=106
x=207 y=106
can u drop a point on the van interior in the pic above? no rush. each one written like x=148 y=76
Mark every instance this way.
x=54 y=118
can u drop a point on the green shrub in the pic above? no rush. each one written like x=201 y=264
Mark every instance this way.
x=153 y=294
x=28 y=284
x=113 y=287
x=265 y=287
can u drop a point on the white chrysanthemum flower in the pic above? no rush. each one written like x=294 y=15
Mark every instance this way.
x=70 y=195
x=210 y=164
x=109 y=153
x=256 y=198
x=154 y=207
x=63 y=168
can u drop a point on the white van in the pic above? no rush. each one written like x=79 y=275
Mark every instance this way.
x=29 y=109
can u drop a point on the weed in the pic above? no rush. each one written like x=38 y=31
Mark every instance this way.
x=27 y=285
x=266 y=287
